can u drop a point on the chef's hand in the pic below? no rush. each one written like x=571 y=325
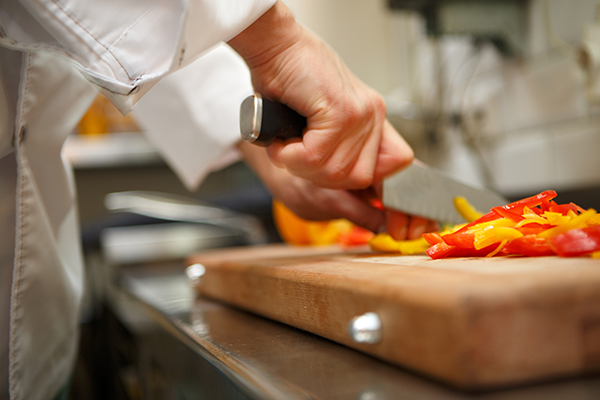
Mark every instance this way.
x=311 y=202
x=348 y=143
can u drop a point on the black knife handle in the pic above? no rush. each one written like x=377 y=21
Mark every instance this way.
x=263 y=121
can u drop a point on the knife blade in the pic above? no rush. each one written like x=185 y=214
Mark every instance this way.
x=417 y=190
x=430 y=193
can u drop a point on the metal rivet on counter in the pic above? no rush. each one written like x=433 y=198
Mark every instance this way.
x=194 y=272
x=365 y=328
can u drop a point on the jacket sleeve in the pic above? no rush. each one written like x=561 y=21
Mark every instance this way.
x=192 y=115
x=124 y=47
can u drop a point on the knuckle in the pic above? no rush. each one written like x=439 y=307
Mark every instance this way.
x=370 y=107
x=379 y=105
x=362 y=179
x=337 y=175
x=353 y=115
x=357 y=114
x=314 y=161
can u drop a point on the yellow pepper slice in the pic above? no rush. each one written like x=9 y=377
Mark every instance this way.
x=579 y=221
x=493 y=235
x=527 y=212
x=298 y=231
x=322 y=233
x=555 y=218
x=594 y=220
x=497 y=250
x=497 y=223
x=532 y=220
x=384 y=242
x=410 y=247
x=466 y=210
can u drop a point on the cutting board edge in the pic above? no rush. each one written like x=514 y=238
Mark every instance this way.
x=467 y=377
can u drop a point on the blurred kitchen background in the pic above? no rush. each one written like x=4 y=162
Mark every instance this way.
x=501 y=93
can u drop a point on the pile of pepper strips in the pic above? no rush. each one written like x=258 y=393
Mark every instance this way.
x=534 y=226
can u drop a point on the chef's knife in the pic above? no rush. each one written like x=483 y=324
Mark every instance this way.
x=425 y=191
x=417 y=190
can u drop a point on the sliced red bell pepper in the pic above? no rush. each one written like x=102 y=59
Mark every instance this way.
x=546 y=204
x=474 y=252
x=578 y=208
x=508 y=213
x=529 y=245
x=535 y=210
x=355 y=237
x=463 y=240
x=576 y=242
x=440 y=250
x=378 y=204
x=444 y=250
x=533 y=201
x=432 y=238
x=533 y=228
x=564 y=208
x=490 y=216
x=547 y=228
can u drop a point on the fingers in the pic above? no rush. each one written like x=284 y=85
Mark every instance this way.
x=322 y=204
x=394 y=153
x=417 y=227
x=355 y=162
x=341 y=147
x=309 y=201
x=403 y=226
x=314 y=203
x=397 y=224
x=358 y=211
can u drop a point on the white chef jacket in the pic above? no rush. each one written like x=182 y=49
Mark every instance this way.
x=54 y=56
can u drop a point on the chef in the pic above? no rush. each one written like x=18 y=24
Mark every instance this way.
x=54 y=58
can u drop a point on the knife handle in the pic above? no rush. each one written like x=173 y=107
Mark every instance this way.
x=262 y=121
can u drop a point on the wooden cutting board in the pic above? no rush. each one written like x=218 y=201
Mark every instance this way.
x=474 y=323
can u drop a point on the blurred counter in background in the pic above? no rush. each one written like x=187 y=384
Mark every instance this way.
x=110 y=150
x=125 y=161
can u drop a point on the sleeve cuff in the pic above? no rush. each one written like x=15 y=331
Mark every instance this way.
x=192 y=116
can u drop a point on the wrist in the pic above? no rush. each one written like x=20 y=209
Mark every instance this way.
x=269 y=35
x=256 y=158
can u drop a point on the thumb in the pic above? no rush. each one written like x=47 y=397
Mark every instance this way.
x=394 y=153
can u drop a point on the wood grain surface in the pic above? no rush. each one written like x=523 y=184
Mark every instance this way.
x=472 y=322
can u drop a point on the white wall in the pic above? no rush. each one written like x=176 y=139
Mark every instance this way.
x=358 y=30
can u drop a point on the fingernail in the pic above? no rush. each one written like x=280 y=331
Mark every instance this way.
x=401 y=233
x=417 y=231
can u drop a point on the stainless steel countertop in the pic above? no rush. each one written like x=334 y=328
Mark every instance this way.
x=269 y=360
